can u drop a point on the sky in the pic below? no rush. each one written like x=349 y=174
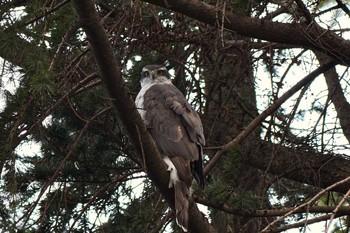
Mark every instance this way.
x=9 y=84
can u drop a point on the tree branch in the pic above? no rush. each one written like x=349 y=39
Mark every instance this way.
x=309 y=167
x=337 y=95
x=343 y=7
x=302 y=223
x=307 y=204
x=270 y=110
x=342 y=210
x=310 y=36
x=110 y=72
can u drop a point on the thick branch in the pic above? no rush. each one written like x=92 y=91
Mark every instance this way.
x=304 y=166
x=315 y=169
x=310 y=36
x=337 y=96
x=308 y=167
x=111 y=76
x=267 y=112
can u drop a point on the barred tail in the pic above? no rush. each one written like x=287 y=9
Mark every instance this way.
x=182 y=194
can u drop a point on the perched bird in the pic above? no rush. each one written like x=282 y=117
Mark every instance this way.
x=177 y=131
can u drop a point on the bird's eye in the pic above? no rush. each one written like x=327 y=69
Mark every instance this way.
x=145 y=73
x=160 y=72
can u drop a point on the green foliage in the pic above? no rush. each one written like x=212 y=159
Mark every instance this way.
x=59 y=22
x=224 y=190
x=221 y=189
x=217 y=190
x=232 y=163
x=9 y=42
x=331 y=199
x=86 y=176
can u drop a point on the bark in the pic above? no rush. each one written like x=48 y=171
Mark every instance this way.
x=343 y=210
x=230 y=85
x=270 y=110
x=313 y=163
x=309 y=36
x=337 y=96
x=316 y=169
x=304 y=166
x=111 y=76
x=312 y=168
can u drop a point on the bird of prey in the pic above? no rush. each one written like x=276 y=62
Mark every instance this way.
x=177 y=131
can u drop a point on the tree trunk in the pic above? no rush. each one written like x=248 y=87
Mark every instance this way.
x=230 y=106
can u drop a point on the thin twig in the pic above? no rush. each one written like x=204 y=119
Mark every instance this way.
x=270 y=110
x=102 y=189
x=335 y=211
x=304 y=205
x=302 y=223
x=343 y=210
x=58 y=103
x=60 y=167
x=59 y=5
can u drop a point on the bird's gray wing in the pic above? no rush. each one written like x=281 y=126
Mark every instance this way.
x=177 y=130
x=190 y=117
x=174 y=125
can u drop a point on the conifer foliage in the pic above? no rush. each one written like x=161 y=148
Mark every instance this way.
x=268 y=78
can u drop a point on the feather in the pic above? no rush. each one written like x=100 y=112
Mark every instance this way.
x=177 y=131
x=181 y=205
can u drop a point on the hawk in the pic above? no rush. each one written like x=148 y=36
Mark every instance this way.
x=176 y=130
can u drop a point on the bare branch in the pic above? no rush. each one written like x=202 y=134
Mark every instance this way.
x=337 y=96
x=60 y=167
x=337 y=208
x=343 y=7
x=310 y=36
x=306 y=204
x=302 y=223
x=270 y=110
x=342 y=210
x=111 y=76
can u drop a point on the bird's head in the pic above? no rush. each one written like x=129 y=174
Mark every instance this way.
x=152 y=74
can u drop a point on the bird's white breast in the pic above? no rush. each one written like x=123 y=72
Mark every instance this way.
x=140 y=100
x=146 y=84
